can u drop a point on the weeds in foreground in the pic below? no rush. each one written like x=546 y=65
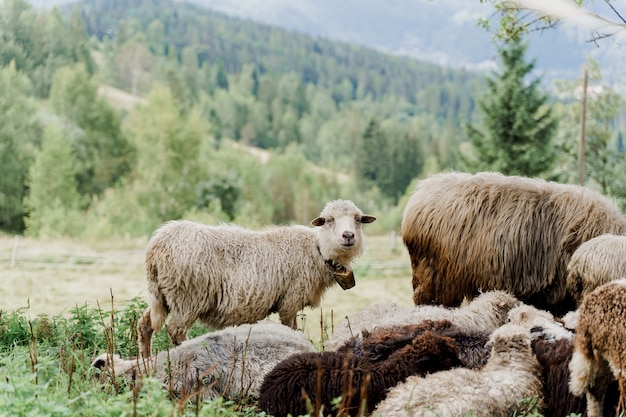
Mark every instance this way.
x=45 y=368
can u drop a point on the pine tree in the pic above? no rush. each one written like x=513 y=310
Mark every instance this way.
x=518 y=126
x=371 y=156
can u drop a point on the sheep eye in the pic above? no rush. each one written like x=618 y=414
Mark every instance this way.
x=330 y=219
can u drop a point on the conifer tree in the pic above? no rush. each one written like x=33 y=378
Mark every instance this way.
x=517 y=125
x=370 y=158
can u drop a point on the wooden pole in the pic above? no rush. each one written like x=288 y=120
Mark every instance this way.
x=583 y=133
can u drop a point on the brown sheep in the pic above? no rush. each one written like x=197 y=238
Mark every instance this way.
x=467 y=233
x=378 y=344
x=596 y=262
x=227 y=275
x=599 y=355
x=360 y=381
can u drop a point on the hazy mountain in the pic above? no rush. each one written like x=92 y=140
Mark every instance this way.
x=441 y=31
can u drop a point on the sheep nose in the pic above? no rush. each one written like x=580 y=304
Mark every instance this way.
x=348 y=235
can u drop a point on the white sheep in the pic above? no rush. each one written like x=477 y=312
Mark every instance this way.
x=596 y=262
x=511 y=375
x=599 y=355
x=539 y=322
x=227 y=275
x=231 y=362
x=486 y=312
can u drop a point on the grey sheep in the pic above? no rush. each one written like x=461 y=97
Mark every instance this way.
x=599 y=356
x=596 y=262
x=227 y=275
x=466 y=233
x=231 y=362
x=511 y=374
x=486 y=312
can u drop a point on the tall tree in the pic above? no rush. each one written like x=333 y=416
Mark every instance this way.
x=53 y=200
x=371 y=161
x=517 y=124
x=102 y=151
x=171 y=150
x=19 y=139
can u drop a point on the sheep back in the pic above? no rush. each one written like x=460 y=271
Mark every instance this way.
x=596 y=262
x=380 y=343
x=231 y=362
x=486 y=312
x=466 y=233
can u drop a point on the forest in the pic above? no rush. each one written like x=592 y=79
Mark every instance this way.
x=223 y=119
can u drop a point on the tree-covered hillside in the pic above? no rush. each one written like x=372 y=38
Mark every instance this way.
x=352 y=72
x=339 y=120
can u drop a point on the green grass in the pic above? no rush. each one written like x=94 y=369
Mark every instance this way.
x=45 y=369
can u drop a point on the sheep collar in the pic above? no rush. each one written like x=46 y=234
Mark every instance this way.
x=343 y=276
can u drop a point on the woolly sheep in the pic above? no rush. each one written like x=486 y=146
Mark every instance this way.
x=380 y=343
x=554 y=356
x=539 y=321
x=466 y=233
x=552 y=345
x=599 y=356
x=231 y=362
x=360 y=381
x=486 y=312
x=511 y=374
x=596 y=262
x=227 y=275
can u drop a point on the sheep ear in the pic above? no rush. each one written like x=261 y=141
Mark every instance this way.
x=367 y=219
x=318 y=221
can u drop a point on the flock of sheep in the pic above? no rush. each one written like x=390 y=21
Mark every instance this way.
x=519 y=287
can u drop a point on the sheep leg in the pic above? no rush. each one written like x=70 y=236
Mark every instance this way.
x=597 y=390
x=177 y=328
x=423 y=284
x=289 y=319
x=144 y=334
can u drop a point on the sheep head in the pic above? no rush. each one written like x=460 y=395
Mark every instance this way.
x=340 y=237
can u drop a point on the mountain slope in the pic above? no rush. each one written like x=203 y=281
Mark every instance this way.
x=441 y=31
